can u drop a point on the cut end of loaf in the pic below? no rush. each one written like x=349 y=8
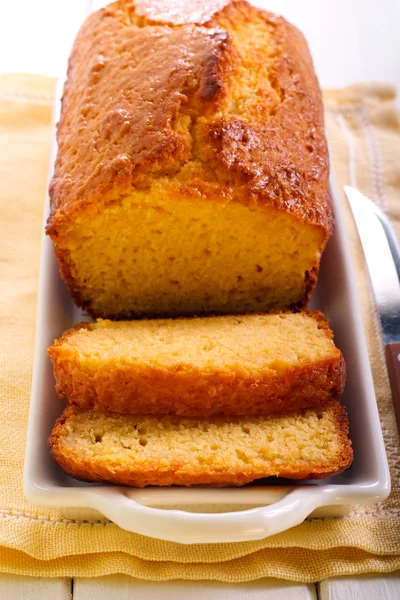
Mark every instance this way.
x=152 y=255
x=140 y=451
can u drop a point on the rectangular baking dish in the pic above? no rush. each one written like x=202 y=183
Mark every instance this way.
x=200 y=515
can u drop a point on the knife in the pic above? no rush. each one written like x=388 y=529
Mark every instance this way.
x=390 y=234
x=383 y=262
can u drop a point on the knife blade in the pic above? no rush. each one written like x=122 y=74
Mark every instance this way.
x=390 y=234
x=384 y=279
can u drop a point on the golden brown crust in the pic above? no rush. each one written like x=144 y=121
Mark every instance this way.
x=184 y=67
x=186 y=390
x=135 y=130
x=94 y=469
x=191 y=392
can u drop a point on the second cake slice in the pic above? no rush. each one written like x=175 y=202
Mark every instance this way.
x=233 y=365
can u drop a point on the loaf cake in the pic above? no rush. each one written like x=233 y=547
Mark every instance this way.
x=146 y=450
x=235 y=365
x=192 y=168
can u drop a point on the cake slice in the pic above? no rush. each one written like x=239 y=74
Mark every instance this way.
x=236 y=365
x=218 y=451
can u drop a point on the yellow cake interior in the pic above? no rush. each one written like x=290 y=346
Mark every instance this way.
x=151 y=254
x=249 y=342
x=298 y=439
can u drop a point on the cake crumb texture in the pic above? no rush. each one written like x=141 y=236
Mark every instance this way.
x=236 y=365
x=218 y=451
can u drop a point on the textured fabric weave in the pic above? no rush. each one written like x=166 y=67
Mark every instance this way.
x=364 y=137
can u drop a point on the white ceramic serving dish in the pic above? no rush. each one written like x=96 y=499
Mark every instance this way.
x=200 y=515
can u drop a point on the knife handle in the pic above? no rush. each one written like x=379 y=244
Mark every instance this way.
x=392 y=353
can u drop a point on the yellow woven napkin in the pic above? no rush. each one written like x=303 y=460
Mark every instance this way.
x=364 y=135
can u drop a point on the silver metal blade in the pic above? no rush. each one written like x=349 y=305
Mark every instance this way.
x=380 y=262
x=390 y=234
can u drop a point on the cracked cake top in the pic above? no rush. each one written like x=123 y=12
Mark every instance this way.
x=210 y=98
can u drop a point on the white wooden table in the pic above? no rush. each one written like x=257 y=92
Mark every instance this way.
x=351 y=41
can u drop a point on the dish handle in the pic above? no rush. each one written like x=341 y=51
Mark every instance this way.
x=196 y=528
